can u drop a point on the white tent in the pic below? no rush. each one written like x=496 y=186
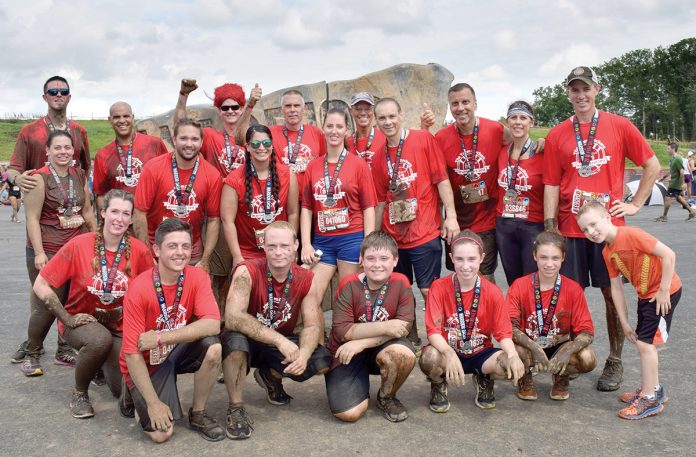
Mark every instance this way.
x=656 y=198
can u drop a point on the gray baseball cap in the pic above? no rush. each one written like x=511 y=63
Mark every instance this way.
x=362 y=97
x=584 y=74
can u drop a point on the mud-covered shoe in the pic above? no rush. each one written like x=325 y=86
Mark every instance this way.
x=80 y=406
x=275 y=394
x=239 y=424
x=21 y=353
x=438 y=397
x=559 y=391
x=631 y=396
x=31 y=366
x=65 y=355
x=201 y=422
x=99 y=379
x=692 y=216
x=661 y=219
x=526 y=390
x=612 y=375
x=392 y=408
x=641 y=407
x=485 y=399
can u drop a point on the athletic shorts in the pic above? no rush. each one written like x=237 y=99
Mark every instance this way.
x=261 y=355
x=14 y=191
x=584 y=263
x=474 y=363
x=515 y=242
x=674 y=193
x=652 y=328
x=349 y=385
x=345 y=248
x=490 y=261
x=551 y=351
x=184 y=358
x=424 y=260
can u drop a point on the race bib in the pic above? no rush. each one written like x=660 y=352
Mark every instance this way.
x=259 y=235
x=516 y=207
x=159 y=354
x=402 y=210
x=581 y=198
x=71 y=222
x=332 y=219
x=474 y=193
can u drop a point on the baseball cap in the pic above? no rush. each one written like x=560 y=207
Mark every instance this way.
x=690 y=153
x=584 y=74
x=362 y=97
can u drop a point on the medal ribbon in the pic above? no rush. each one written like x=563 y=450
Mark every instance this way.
x=180 y=196
x=330 y=181
x=370 y=312
x=267 y=195
x=109 y=275
x=126 y=162
x=69 y=195
x=466 y=326
x=394 y=169
x=512 y=173
x=545 y=323
x=370 y=138
x=51 y=127
x=293 y=149
x=160 y=296
x=474 y=148
x=283 y=298
x=585 y=156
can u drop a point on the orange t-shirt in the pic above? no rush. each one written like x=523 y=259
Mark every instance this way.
x=631 y=255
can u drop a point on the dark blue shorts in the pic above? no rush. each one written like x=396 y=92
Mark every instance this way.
x=345 y=248
x=474 y=363
x=584 y=262
x=424 y=260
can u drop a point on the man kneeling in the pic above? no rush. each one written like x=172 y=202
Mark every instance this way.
x=371 y=319
x=263 y=305
x=159 y=341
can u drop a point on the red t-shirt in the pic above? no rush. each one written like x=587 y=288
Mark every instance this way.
x=572 y=316
x=110 y=173
x=631 y=255
x=214 y=150
x=286 y=318
x=379 y=142
x=353 y=193
x=616 y=140
x=155 y=196
x=349 y=307
x=141 y=310
x=492 y=319
x=529 y=204
x=419 y=173
x=247 y=224
x=479 y=216
x=75 y=262
x=30 y=149
x=53 y=236
x=313 y=145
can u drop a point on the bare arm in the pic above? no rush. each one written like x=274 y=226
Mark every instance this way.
x=551 y=200
x=33 y=204
x=307 y=254
x=662 y=297
x=379 y=215
x=293 y=207
x=228 y=212
x=88 y=211
x=140 y=226
x=25 y=181
x=651 y=168
x=43 y=290
x=451 y=226
x=393 y=328
x=212 y=231
x=243 y=125
x=368 y=220
x=99 y=201
x=187 y=86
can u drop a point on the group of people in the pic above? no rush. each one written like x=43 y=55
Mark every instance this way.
x=209 y=276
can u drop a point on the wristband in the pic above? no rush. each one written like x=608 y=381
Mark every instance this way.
x=159 y=340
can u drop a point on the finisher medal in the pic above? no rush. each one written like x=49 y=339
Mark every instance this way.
x=68 y=212
x=106 y=298
x=466 y=347
x=180 y=211
x=585 y=171
x=542 y=341
x=511 y=193
x=329 y=202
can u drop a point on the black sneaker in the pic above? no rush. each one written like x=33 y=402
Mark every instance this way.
x=99 y=379
x=438 y=397
x=612 y=375
x=21 y=353
x=205 y=425
x=80 y=406
x=275 y=393
x=392 y=408
x=485 y=399
x=238 y=423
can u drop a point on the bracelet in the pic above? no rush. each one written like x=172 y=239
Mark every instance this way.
x=159 y=340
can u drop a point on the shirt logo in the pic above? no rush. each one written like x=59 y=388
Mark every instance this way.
x=455 y=337
x=178 y=321
x=238 y=157
x=281 y=316
x=190 y=204
x=521 y=183
x=461 y=166
x=320 y=190
x=599 y=157
x=136 y=169
x=118 y=289
x=258 y=211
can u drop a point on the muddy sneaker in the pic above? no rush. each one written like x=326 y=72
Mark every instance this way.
x=238 y=423
x=21 y=353
x=642 y=407
x=526 y=390
x=31 y=366
x=611 y=375
x=80 y=406
x=275 y=394
x=392 y=408
x=485 y=399
x=631 y=396
x=99 y=379
x=65 y=355
x=661 y=219
x=692 y=216
x=201 y=422
x=438 y=397
x=559 y=391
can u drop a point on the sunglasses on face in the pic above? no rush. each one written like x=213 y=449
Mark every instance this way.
x=54 y=92
x=257 y=143
x=230 y=107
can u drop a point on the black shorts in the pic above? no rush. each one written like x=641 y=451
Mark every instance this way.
x=349 y=385
x=184 y=358
x=425 y=260
x=261 y=355
x=474 y=363
x=584 y=262
x=652 y=328
x=490 y=248
x=515 y=242
x=674 y=193
x=11 y=192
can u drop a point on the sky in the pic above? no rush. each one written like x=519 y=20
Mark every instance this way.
x=138 y=51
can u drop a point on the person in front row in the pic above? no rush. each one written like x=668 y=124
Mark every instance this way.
x=266 y=299
x=371 y=319
x=463 y=311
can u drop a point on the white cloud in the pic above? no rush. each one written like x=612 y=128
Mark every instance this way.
x=506 y=39
x=564 y=61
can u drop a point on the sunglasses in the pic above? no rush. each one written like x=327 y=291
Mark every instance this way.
x=54 y=92
x=230 y=107
x=257 y=143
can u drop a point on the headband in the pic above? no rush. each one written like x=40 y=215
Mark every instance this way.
x=520 y=109
x=467 y=238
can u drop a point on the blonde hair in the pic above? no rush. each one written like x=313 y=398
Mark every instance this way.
x=591 y=206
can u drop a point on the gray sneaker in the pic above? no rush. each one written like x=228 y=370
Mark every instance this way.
x=438 y=397
x=80 y=406
x=392 y=408
x=238 y=423
x=21 y=353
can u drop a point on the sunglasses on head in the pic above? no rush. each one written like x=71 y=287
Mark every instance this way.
x=257 y=143
x=54 y=92
x=230 y=107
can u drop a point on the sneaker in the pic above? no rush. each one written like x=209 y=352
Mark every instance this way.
x=642 y=407
x=692 y=215
x=99 y=379
x=205 y=425
x=275 y=393
x=31 y=366
x=631 y=396
x=485 y=399
x=611 y=375
x=66 y=356
x=238 y=423
x=438 y=397
x=80 y=406
x=526 y=390
x=21 y=353
x=661 y=219
x=559 y=391
x=392 y=408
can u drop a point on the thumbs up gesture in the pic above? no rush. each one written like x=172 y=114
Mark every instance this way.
x=255 y=95
x=427 y=117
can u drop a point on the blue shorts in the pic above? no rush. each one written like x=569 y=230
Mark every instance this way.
x=424 y=260
x=345 y=248
x=474 y=363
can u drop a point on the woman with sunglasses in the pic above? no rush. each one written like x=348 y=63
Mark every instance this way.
x=57 y=210
x=339 y=196
x=262 y=191
x=98 y=267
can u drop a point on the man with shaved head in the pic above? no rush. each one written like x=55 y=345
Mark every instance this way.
x=118 y=164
